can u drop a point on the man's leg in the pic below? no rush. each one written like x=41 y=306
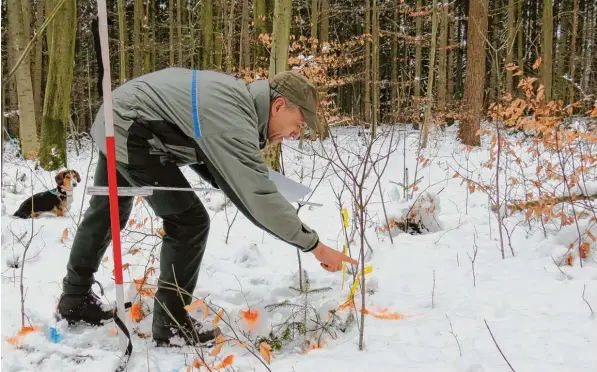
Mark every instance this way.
x=186 y=227
x=91 y=240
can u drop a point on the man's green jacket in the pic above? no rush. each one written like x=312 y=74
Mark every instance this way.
x=205 y=117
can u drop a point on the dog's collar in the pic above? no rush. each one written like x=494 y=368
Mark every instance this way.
x=54 y=191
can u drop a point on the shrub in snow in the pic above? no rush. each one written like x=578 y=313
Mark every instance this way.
x=301 y=322
x=420 y=216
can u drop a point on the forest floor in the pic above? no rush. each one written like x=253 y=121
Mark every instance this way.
x=443 y=300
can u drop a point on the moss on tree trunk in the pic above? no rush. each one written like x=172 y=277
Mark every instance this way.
x=61 y=48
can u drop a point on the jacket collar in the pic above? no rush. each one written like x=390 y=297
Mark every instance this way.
x=260 y=93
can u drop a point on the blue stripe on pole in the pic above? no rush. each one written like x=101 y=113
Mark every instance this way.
x=194 y=105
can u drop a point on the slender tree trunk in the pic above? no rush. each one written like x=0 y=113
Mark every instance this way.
x=146 y=42
x=179 y=32
x=122 y=40
x=590 y=36
x=325 y=22
x=571 y=88
x=230 y=36
x=510 y=44
x=561 y=53
x=261 y=28
x=58 y=87
x=192 y=41
x=375 y=69
x=218 y=35
x=430 y=78
x=367 y=57
x=450 y=68
x=278 y=63
x=314 y=25
x=395 y=97
x=26 y=106
x=245 y=51
x=207 y=34
x=281 y=37
x=519 y=36
x=37 y=70
x=546 y=69
x=442 y=88
x=475 y=73
x=137 y=20
x=418 y=65
x=171 y=30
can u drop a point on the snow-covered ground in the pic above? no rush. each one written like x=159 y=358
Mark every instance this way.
x=428 y=311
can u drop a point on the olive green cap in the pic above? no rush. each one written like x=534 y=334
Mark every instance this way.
x=301 y=91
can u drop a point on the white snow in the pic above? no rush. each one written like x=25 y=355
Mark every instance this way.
x=535 y=311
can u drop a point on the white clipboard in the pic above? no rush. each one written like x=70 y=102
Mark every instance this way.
x=291 y=190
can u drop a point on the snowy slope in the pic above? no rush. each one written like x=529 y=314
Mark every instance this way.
x=535 y=312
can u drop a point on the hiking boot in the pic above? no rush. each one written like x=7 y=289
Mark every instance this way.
x=192 y=333
x=86 y=308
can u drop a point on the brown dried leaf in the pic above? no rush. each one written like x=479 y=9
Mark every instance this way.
x=194 y=305
x=266 y=351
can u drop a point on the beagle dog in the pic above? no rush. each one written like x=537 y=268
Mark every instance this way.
x=56 y=201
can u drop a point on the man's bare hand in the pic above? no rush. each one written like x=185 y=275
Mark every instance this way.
x=330 y=259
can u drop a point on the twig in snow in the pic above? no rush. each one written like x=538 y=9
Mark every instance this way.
x=475 y=249
x=454 y=334
x=433 y=291
x=587 y=302
x=498 y=346
x=558 y=266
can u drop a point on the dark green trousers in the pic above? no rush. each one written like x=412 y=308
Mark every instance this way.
x=185 y=222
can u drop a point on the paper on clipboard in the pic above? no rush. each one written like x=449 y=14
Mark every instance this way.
x=291 y=190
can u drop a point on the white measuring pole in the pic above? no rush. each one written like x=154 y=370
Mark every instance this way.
x=102 y=19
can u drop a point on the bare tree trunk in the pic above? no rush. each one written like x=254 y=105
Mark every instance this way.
x=146 y=42
x=519 y=36
x=561 y=54
x=475 y=73
x=430 y=77
x=278 y=63
x=395 y=97
x=179 y=31
x=325 y=22
x=314 y=25
x=230 y=37
x=58 y=87
x=546 y=69
x=452 y=40
x=571 y=88
x=367 y=57
x=510 y=44
x=442 y=72
x=281 y=37
x=137 y=61
x=122 y=40
x=261 y=28
x=375 y=69
x=589 y=34
x=171 y=30
x=26 y=106
x=207 y=34
x=218 y=34
x=418 y=63
x=245 y=51
x=37 y=69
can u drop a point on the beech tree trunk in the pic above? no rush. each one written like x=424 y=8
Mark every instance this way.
x=26 y=105
x=55 y=118
x=475 y=73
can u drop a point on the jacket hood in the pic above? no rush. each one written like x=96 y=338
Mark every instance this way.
x=260 y=93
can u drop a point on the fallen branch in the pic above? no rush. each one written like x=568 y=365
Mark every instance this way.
x=498 y=346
